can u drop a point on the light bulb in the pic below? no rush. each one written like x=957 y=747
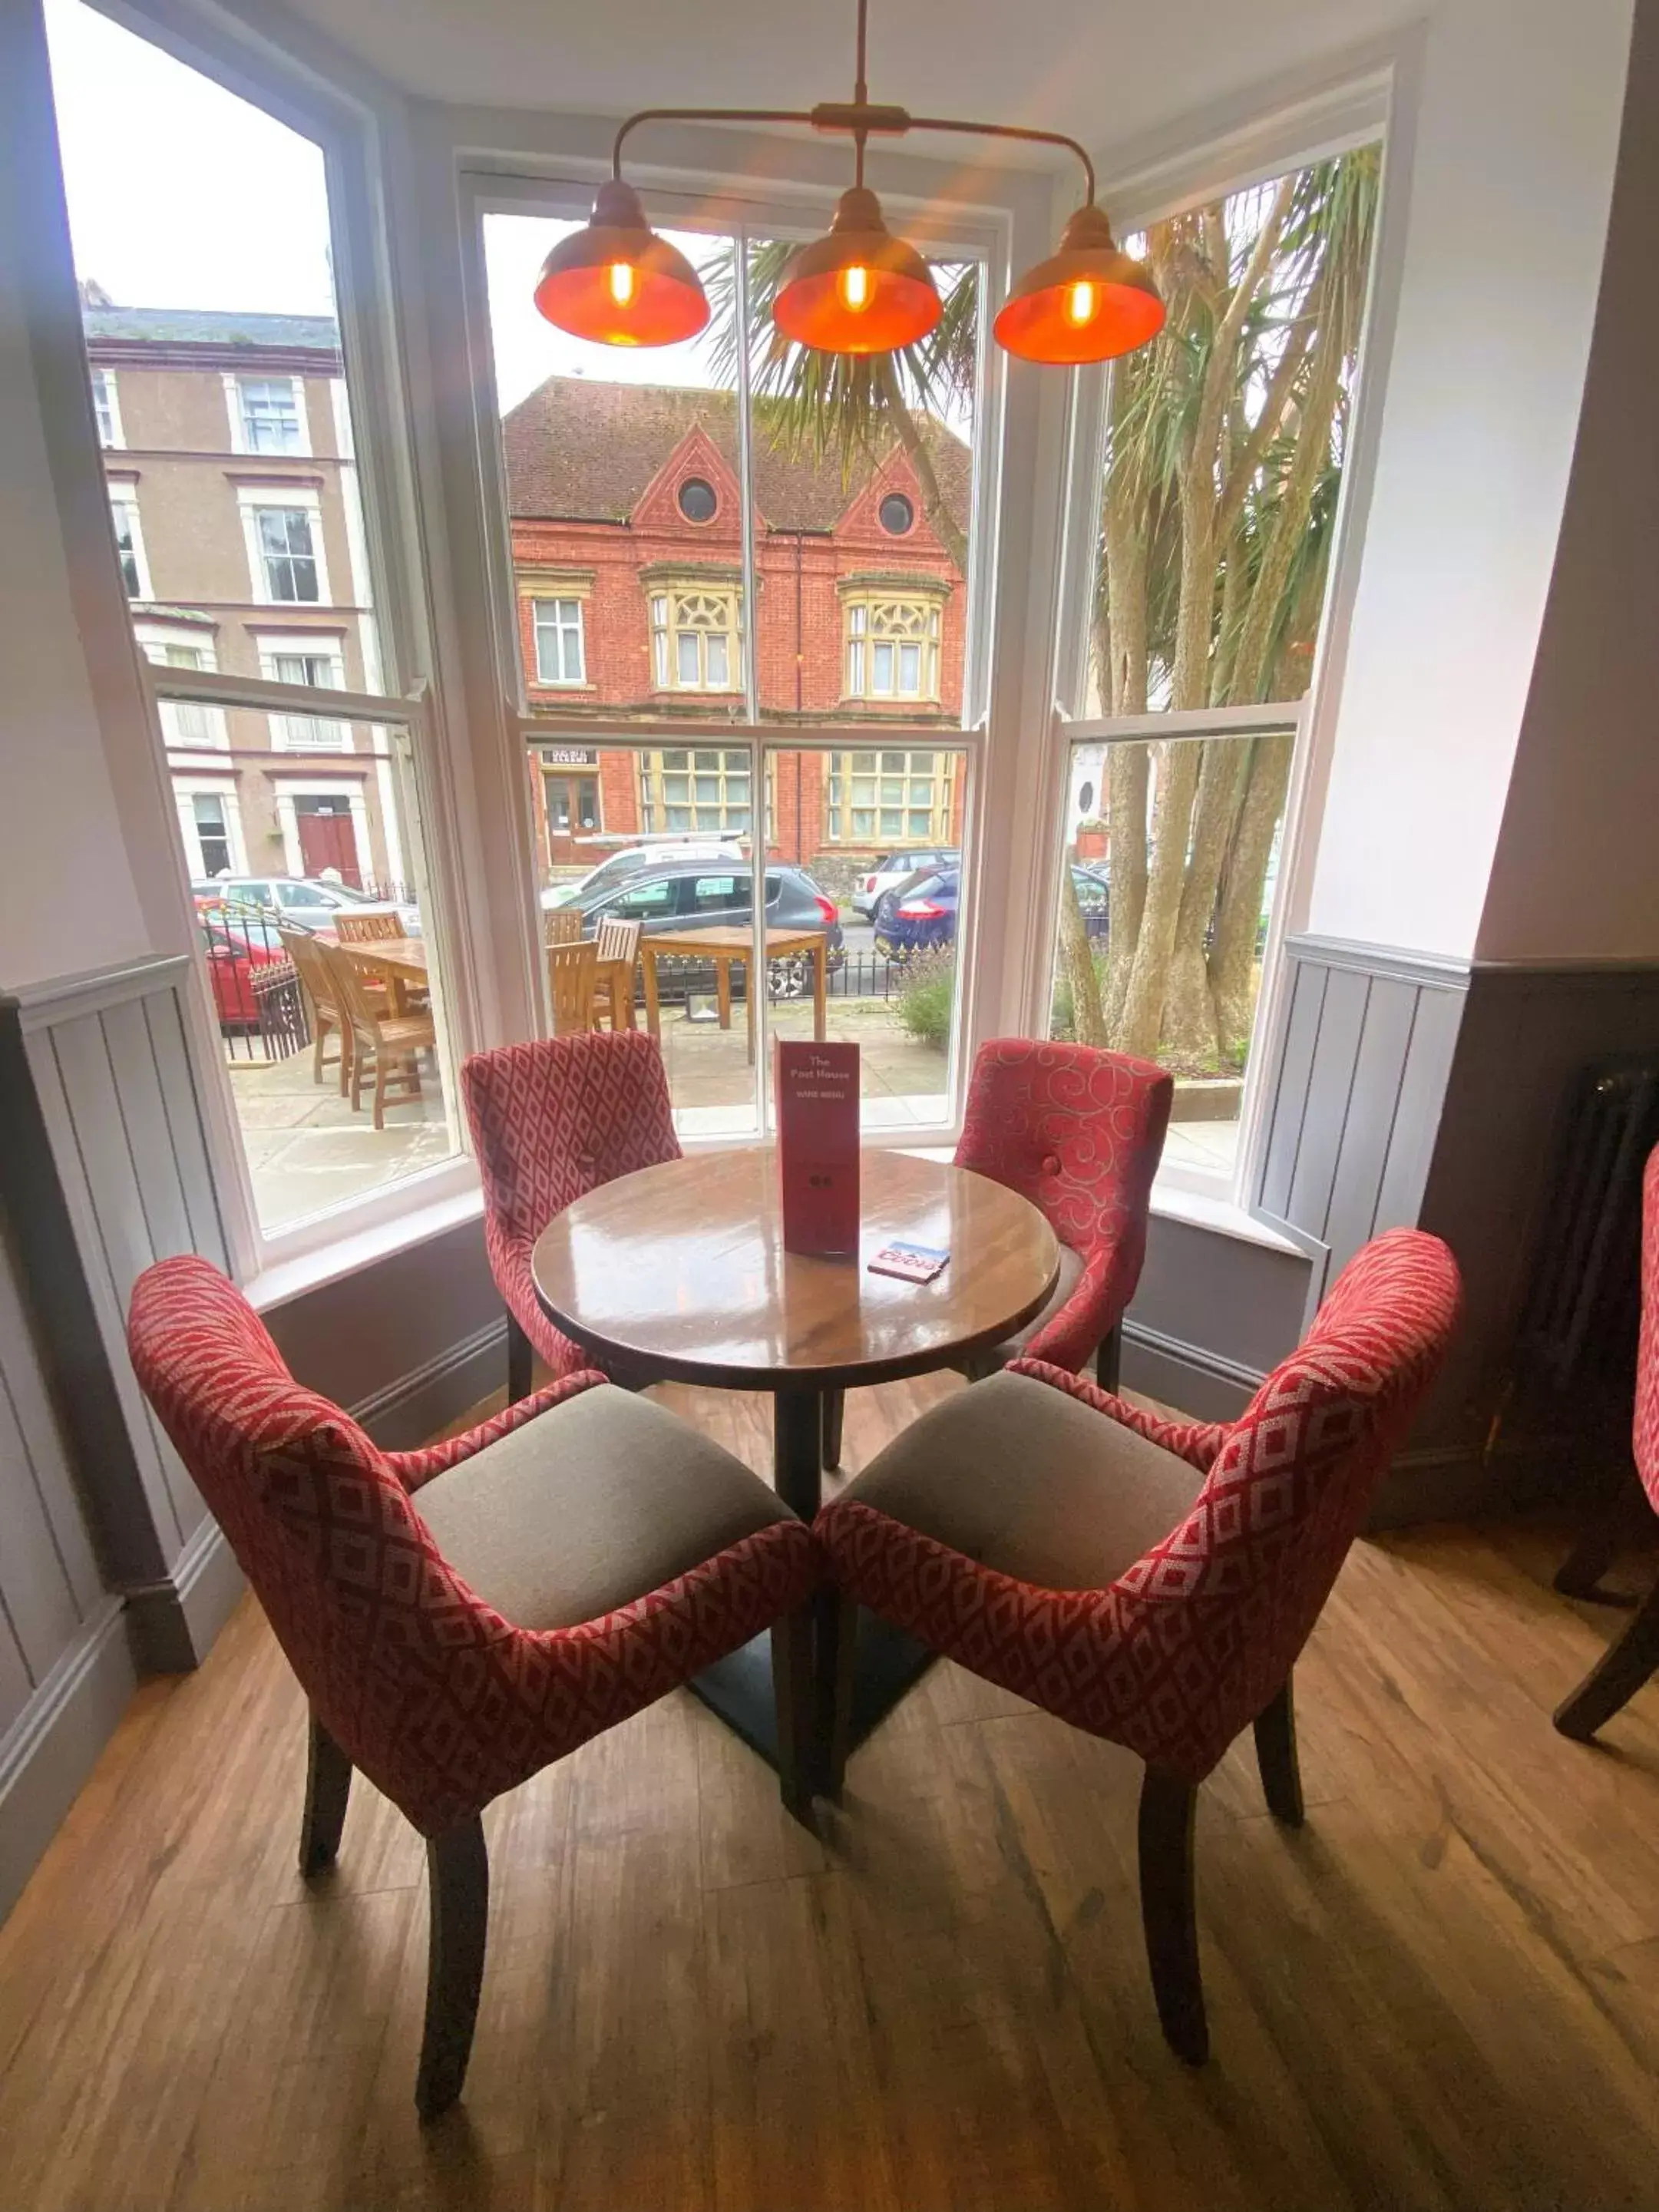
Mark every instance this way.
x=853 y=286
x=622 y=282
x=1079 y=303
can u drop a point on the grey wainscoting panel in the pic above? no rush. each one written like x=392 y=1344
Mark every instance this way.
x=117 y=1093
x=1357 y=1078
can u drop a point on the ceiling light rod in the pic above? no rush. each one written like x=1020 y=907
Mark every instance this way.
x=859 y=289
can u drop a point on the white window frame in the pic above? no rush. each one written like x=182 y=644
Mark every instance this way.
x=123 y=493
x=561 y=630
x=236 y=410
x=253 y=501
x=107 y=405
x=666 y=635
x=314 y=645
x=186 y=789
x=1351 y=113
x=199 y=638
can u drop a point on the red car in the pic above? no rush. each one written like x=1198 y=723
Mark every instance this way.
x=237 y=944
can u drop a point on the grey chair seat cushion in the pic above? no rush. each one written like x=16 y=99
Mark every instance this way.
x=1012 y=1347
x=593 y=1505
x=1025 y=1480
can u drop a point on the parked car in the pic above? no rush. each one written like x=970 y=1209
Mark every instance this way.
x=618 y=868
x=895 y=869
x=922 y=913
x=237 y=944
x=692 y=894
x=301 y=902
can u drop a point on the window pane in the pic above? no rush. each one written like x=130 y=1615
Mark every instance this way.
x=1119 y=797
x=266 y=838
x=719 y=664
x=686 y=649
x=891 y=986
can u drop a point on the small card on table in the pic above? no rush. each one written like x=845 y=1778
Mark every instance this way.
x=911 y=1263
x=817 y=1089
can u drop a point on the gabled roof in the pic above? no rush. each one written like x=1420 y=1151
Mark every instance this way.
x=211 y=327
x=581 y=450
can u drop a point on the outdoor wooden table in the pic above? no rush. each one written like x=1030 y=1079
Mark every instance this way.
x=724 y=945
x=678 y=1271
x=401 y=960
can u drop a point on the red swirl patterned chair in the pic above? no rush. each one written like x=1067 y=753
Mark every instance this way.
x=1151 y=1581
x=1079 y=1132
x=551 y=1120
x=1634 y=1658
x=461 y=1617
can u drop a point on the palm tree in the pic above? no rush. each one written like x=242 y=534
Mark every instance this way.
x=1225 y=449
x=855 y=406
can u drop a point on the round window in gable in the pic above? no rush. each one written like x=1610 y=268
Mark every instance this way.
x=897 y=514
x=697 y=500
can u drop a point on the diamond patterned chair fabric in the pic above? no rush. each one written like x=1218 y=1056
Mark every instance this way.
x=1195 y=1639
x=1632 y=1662
x=552 y=1120
x=442 y=1702
x=1189 y=1644
x=1079 y=1132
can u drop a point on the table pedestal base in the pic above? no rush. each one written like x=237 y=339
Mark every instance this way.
x=738 y=1687
x=886 y=1660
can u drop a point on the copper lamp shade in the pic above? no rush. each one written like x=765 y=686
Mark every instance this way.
x=616 y=282
x=858 y=290
x=1090 y=301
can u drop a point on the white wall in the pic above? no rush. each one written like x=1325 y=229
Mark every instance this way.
x=68 y=900
x=1576 y=871
x=1515 y=139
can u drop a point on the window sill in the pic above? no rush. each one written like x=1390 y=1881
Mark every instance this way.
x=288 y=1279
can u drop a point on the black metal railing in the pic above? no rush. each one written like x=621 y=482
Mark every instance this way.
x=262 y=1011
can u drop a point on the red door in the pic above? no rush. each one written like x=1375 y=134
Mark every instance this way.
x=327 y=839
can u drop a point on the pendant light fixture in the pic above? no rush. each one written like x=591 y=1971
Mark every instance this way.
x=858 y=290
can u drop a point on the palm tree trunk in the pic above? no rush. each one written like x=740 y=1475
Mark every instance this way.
x=1232 y=969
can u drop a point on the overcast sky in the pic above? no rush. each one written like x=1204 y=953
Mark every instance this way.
x=181 y=195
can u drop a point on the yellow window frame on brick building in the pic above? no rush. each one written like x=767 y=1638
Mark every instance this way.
x=696 y=638
x=890 y=798
x=698 y=791
x=892 y=648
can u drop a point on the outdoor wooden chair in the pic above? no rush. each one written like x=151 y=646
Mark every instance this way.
x=570 y=975
x=366 y=928
x=384 y=1046
x=561 y=925
x=322 y=1004
x=616 y=948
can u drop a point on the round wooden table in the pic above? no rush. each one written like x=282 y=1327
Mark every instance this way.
x=679 y=1272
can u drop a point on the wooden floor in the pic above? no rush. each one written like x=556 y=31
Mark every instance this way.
x=1443 y=1992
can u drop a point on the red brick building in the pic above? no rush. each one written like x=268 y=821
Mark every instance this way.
x=627 y=555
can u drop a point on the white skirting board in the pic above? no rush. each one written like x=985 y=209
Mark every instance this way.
x=52 y=1745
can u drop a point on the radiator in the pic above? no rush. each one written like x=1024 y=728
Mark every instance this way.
x=1583 y=1305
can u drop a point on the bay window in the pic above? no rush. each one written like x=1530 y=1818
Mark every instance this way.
x=696 y=639
x=892 y=648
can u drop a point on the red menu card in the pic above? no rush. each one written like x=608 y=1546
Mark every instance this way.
x=816 y=1088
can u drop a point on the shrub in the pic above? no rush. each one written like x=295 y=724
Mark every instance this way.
x=925 y=998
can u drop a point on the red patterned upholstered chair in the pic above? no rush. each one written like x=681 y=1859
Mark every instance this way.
x=459 y=1617
x=1633 y=1659
x=551 y=1120
x=1150 y=1581
x=1079 y=1132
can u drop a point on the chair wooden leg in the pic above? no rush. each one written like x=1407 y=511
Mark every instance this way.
x=795 y=1690
x=834 y=1405
x=328 y=1784
x=382 y=1069
x=1169 y=1913
x=1614 y=1681
x=1275 y=1756
x=1108 y=1359
x=458 y=1888
x=520 y=1360
x=837 y=1617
